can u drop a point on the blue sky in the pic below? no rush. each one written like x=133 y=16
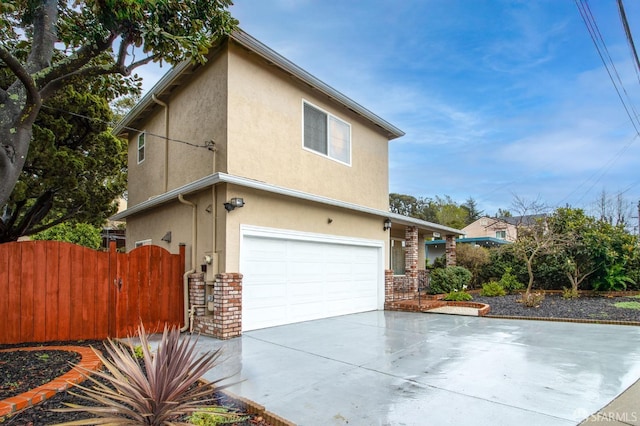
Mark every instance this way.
x=497 y=98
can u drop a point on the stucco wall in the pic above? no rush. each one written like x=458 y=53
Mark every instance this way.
x=197 y=114
x=282 y=212
x=265 y=137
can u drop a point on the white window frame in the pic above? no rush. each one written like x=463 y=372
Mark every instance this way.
x=329 y=117
x=142 y=243
x=402 y=243
x=501 y=232
x=142 y=148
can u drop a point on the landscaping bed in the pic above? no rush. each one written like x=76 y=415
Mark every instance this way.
x=554 y=306
x=21 y=371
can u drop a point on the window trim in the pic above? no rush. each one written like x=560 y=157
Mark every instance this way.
x=328 y=117
x=392 y=242
x=143 y=147
x=502 y=232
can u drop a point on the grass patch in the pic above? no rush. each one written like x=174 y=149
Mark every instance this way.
x=637 y=296
x=628 y=305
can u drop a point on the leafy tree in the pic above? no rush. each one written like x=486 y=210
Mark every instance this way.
x=474 y=258
x=449 y=213
x=75 y=169
x=83 y=234
x=406 y=205
x=442 y=210
x=48 y=45
x=578 y=254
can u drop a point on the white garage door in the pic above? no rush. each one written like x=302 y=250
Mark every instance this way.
x=291 y=278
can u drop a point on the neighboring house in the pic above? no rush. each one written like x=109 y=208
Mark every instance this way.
x=277 y=184
x=115 y=230
x=501 y=228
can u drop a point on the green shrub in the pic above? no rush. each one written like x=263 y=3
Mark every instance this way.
x=458 y=296
x=216 y=416
x=83 y=234
x=159 y=392
x=492 y=289
x=532 y=300
x=510 y=282
x=445 y=280
x=569 y=293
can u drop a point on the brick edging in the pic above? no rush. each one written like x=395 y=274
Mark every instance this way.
x=254 y=408
x=88 y=361
x=483 y=308
x=576 y=320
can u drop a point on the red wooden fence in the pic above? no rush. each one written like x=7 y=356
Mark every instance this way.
x=51 y=290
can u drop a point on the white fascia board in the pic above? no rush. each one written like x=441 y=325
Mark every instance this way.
x=217 y=178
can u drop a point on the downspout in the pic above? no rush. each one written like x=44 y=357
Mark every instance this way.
x=166 y=139
x=185 y=278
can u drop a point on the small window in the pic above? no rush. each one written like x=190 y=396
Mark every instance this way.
x=326 y=134
x=142 y=243
x=502 y=235
x=140 y=148
x=398 y=257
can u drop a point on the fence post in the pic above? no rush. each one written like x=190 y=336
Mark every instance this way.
x=113 y=288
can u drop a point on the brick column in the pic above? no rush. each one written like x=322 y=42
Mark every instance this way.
x=197 y=293
x=227 y=301
x=411 y=256
x=388 y=285
x=450 y=250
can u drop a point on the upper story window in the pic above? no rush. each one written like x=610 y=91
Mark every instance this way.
x=326 y=134
x=140 y=147
x=501 y=235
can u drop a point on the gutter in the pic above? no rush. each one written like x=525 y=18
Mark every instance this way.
x=188 y=312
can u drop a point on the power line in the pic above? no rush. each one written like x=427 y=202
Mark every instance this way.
x=206 y=145
x=601 y=48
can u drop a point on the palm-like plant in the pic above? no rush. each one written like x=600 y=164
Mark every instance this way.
x=159 y=392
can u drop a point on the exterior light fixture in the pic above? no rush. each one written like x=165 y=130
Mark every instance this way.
x=387 y=224
x=233 y=203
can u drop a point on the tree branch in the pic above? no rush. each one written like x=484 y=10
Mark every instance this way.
x=71 y=64
x=141 y=62
x=22 y=74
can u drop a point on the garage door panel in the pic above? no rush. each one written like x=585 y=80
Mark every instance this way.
x=290 y=280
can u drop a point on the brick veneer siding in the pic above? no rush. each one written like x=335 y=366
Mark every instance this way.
x=197 y=293
x=227 y=306
x=388 y=285
x=411 y=256
x=450 y=250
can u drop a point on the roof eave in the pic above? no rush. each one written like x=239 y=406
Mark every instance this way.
x=244 y=39
x=217 y=178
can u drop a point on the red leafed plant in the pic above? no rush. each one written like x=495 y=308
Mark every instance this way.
x=161 y=391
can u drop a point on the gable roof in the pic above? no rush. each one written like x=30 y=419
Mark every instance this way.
x=177 y=76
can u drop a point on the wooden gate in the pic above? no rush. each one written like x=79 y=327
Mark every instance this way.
x=51 y=290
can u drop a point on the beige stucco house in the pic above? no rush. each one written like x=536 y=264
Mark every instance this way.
x=276 y=183
x=505 y=228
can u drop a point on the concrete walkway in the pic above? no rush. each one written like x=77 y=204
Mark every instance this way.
x=398 y=368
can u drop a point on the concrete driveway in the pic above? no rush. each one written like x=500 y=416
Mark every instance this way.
x=397 y=368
